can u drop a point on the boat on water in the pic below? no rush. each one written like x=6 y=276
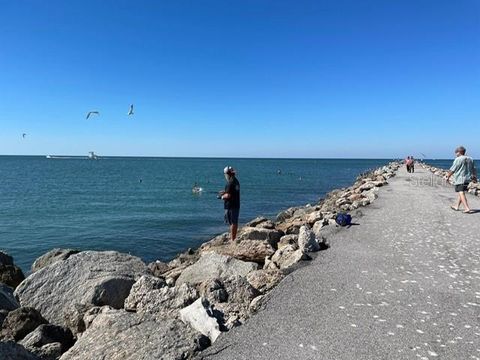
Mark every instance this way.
x=197 y=189
x=91 y=156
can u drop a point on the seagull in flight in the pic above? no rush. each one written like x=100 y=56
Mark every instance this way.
x=23 y=135
x=92 y=113
x=130 y=112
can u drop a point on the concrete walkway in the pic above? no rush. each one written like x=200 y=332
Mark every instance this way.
x=404 y=284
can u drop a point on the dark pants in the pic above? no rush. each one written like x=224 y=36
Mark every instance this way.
x=231 y=216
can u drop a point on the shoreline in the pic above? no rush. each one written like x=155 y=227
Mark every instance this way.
x=220 y=282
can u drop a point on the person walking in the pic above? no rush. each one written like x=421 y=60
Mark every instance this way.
x=231 y=198
x=463 y=171
x=412 y=164
x=408 y=163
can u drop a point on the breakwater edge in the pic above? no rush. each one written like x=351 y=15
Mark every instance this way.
x=105 y=304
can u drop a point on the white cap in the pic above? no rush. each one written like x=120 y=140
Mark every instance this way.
x=229 y=170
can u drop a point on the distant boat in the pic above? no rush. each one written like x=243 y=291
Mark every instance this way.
x=92 y=156
x=57 y=157
x=197 y=189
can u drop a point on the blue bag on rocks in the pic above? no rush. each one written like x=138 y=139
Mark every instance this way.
x=343 y=219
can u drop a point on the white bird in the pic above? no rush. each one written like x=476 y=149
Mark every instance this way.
x=23 y=135
x=130 y=112
x=92 y=113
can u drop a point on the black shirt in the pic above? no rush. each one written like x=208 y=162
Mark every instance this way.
x=232 y=188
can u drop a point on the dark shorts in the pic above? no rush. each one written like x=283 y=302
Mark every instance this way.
x=231 y=216
x=461 y=187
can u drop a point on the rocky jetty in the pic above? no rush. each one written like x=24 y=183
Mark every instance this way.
x=473 y=187
x=107 y=305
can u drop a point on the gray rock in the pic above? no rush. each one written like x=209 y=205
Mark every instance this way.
x=213 y=266
x=214 y=291
x=313 y=217
x=11 y=275
x=291 y=226
x=12 y=351
x=256 y=304
x=307 y=241
x=199 y=316
x=287 y=257
x=261 y=222
x=264 y=280
x=119 y=335
x=7 y=300
x=286 y=214
x=245 y=250
x=49 y=334
x=286 y=240
x=65 y=290
x=158 y=268
x=151 y=295
x=50 y=351
x=52 y=257
x=20 y=322
x=317 y=229
x=5 y=259
x=239 y=296
x=255 y=233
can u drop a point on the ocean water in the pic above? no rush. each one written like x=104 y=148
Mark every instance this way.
x=145 y=206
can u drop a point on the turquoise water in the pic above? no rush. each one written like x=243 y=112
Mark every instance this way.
x=100 y=205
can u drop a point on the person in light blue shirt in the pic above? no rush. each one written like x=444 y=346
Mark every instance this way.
x=463 y=171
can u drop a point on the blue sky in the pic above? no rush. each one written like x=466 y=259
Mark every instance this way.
x=240 y=78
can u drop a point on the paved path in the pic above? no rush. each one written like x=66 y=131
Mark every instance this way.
x=404 y=284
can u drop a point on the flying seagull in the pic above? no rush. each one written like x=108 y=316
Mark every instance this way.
x=130 y=112
x=92 y=113
x=23 y=135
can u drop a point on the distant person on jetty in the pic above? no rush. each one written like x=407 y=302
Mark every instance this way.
x=412 y=164
x=408 y=163
x=231 y=198
x=463 y=171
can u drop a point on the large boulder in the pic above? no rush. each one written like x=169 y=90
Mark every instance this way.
x=265 y=280
x=246 y=250
x=7 y=300
x=9 y=350
x=199 y=316
x=211 y=266
x=63 y=291
x=271 y=236
x=52 y=257
x=307 y=241
x=253 y=244
x=11 y=275
x=286 y=257
x=151 y=295
x=49 y=341
x=20 y=322
x=118 y=335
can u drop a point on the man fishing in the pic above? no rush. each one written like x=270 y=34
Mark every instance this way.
x=231 y=198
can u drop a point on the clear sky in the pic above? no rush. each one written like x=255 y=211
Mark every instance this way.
x=224 y=78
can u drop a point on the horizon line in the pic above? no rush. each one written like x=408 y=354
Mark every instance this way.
x=225 y=157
